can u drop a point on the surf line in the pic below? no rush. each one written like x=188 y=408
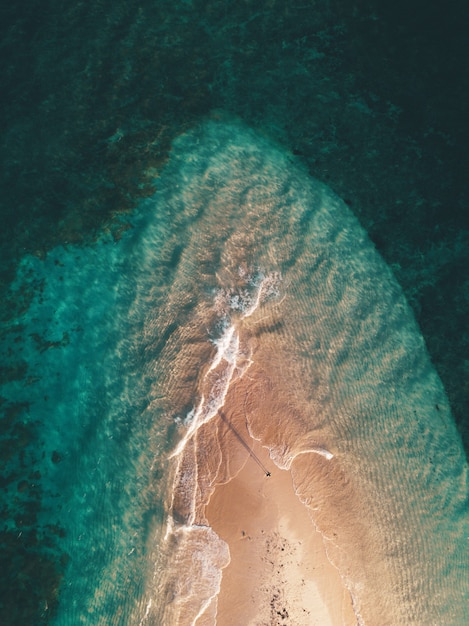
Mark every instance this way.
x=241 y=440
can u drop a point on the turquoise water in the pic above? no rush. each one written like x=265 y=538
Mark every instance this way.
x=92 y=395
x=120 y=333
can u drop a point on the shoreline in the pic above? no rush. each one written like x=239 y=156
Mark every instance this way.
x=279 y=572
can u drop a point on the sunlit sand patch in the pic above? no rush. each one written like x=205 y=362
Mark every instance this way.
x=279 y=571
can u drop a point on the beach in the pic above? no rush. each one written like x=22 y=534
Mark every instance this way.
x=279 y=572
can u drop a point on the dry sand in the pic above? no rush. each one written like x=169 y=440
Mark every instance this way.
x=279 y=572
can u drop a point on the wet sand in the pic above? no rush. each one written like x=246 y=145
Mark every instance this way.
x=279 y=572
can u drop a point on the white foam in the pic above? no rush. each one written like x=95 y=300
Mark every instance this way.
x=147 y=612
x=204 y=555
x=321 y=451
x=228 y=349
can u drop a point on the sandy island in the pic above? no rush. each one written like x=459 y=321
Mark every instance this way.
x=279 y=572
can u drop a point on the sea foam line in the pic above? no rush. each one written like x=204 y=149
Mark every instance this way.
x=284 y=461
x=228 y=349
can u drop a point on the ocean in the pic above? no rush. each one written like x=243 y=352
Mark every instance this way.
x=206 y=207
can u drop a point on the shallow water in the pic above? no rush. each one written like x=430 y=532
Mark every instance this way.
x=243 y=284
x=325 y=355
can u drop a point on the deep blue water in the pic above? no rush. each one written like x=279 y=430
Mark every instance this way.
x=371 y=99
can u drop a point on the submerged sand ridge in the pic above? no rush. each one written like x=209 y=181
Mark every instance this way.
x=282 y=315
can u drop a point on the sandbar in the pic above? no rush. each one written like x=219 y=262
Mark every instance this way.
x=279 y=572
